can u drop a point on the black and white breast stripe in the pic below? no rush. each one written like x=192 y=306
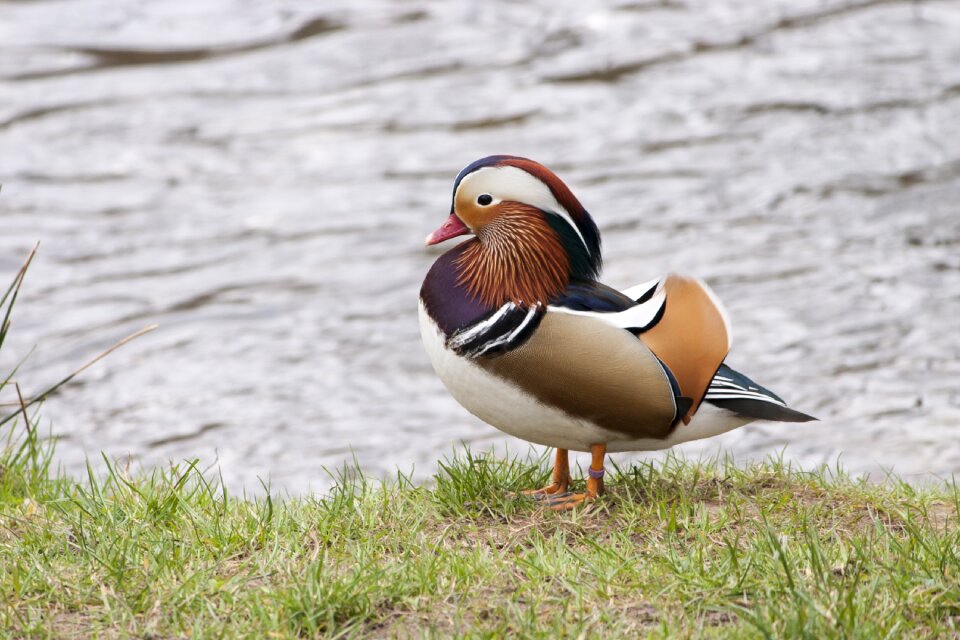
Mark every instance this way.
x=506 y=328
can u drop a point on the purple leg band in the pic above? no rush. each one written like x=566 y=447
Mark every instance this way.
x=596 y=474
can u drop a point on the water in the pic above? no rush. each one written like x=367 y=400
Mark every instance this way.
x=257 y=178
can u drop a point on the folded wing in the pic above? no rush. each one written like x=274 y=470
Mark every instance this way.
x=678 y=318
x=593 y=371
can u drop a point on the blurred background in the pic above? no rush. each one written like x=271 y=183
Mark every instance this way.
x=258 y=178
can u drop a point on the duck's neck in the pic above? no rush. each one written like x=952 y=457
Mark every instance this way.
x=516 y=258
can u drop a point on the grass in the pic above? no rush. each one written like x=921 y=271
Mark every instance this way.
x=676 y=549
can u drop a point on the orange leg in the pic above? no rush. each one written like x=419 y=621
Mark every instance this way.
x=594 y=482
x=561 y=478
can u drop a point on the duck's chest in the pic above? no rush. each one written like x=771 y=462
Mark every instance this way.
x=496 y=400
x=460 y=334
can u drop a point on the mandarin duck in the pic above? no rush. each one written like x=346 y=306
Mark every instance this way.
x=523 y=334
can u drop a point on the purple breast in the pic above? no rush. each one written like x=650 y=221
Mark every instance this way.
x=448 y=303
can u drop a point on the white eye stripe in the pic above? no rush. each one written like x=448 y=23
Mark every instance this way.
x=511 y=183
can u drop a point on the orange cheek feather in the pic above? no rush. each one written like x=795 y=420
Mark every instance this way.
x=475 y=216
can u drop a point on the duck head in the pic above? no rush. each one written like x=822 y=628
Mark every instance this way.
x=532 y=235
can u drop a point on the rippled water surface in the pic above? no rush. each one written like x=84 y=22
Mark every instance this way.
x=257 y=178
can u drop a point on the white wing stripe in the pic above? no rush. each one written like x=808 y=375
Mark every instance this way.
x=638 y=317
x=636 y=291
x=730 y=385
x=741 y=395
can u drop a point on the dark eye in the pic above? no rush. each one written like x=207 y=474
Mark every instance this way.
x=484 y=199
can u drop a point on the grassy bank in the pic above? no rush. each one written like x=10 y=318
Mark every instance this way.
x=674 y=550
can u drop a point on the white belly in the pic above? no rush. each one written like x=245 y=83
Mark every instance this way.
x=515 y=412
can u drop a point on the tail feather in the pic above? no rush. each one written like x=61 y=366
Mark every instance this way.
x=736 y=392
